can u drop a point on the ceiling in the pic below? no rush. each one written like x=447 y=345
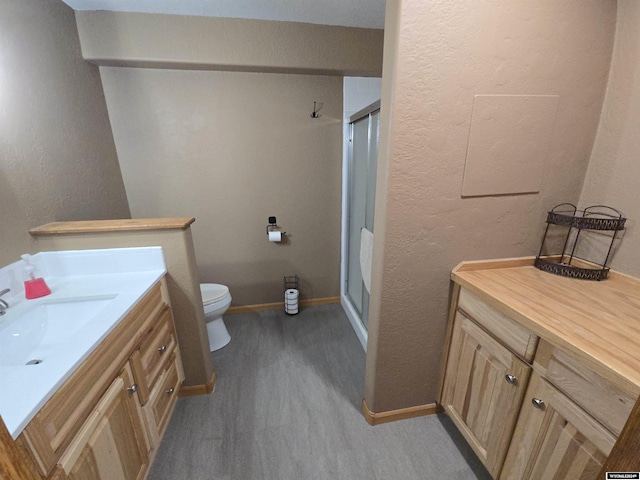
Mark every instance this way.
x=349 y=13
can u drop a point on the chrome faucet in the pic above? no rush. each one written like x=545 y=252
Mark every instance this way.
x=3 y=304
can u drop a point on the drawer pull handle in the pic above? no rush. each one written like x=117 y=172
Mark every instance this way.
x=169 y=390
x=133 y=388
x=511 y=379
x=162 y=349
x=538 y=403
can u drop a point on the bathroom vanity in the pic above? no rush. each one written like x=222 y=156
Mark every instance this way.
x=540 y=372
x=98 y=403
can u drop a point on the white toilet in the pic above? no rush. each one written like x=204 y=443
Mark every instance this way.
x=216 y=300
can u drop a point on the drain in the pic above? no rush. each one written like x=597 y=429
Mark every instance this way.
x=34 y=362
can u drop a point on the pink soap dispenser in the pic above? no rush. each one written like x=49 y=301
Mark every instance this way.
x=33 y=287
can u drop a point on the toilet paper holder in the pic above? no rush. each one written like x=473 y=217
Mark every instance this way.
x=272 y=227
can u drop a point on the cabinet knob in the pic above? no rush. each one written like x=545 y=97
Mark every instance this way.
x=162 y=349
x=133 y=388
x=169 y=390
x=511 y=379
x=538 y=403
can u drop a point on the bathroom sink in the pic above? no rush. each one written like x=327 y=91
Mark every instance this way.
x=38 y=332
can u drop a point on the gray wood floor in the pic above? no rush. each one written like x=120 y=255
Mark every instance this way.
x=287 y=406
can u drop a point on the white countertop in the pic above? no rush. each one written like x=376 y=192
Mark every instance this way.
x=123 y=276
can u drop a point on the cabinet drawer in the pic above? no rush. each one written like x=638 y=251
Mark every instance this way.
x=163 y=397
x=154 y=353
x=600 y=397
x=513 y=335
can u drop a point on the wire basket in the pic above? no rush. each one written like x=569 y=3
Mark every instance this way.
x=572 y=261
x=291 y=282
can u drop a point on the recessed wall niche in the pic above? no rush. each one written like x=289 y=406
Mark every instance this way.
x=508 y=144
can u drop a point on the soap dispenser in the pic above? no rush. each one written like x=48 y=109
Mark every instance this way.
x=33 y=287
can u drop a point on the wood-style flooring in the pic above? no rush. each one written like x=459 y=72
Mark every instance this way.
x=287 y=407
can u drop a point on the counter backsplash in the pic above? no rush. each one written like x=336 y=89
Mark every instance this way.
x=80 y=262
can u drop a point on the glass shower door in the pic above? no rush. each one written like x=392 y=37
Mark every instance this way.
x=362 y=188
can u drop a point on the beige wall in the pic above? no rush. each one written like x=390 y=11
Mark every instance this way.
x=57 y=155
x=438 y=55
x=613 y=177
x=207 y=43
x=231 y=149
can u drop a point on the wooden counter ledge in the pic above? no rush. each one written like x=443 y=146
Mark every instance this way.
x=93 y=226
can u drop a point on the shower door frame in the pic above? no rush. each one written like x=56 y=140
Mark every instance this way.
x=347 y=181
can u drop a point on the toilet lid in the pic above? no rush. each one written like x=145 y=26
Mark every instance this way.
x=212 y=292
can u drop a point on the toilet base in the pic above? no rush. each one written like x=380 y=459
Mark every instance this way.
x=218 y=334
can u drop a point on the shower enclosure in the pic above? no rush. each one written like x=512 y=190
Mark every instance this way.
x=359 y=211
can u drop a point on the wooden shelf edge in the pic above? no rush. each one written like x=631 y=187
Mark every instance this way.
x=119 y=225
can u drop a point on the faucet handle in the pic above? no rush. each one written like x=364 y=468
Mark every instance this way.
x=4 y=305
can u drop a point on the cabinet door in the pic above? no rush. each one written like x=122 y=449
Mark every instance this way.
x=111 y=445
x=483 y=390
x=163 y=398
x=555 y=439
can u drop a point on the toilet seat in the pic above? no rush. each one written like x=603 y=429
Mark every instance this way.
x=212 y=292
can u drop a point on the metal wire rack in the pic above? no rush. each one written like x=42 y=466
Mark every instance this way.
x=567 y=262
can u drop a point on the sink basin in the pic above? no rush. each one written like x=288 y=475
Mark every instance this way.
x=40 y=331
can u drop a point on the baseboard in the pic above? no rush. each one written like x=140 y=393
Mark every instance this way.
x=318 y=301
x=280 y=305
x=400 y=414
x=206 y=389
x=254 y=308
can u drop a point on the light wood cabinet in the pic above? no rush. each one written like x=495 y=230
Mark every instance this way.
x=106 y=421
x=576 y=379
x=543 y=433
x=555 y=438
x=53 y=428
x=483 y=390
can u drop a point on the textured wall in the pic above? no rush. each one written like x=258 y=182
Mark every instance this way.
x=207 y=43
x=231 y=149
x=613 y=177
x=438 y=55
x=57 y=155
